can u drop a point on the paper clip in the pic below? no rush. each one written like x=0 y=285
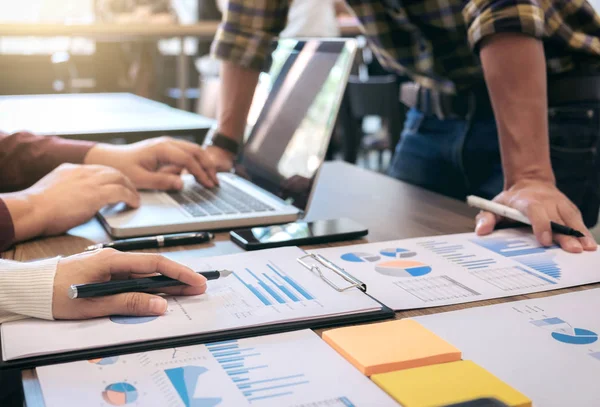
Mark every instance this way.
x=352 y=281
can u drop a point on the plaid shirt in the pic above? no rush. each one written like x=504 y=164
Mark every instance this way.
x=435 y=42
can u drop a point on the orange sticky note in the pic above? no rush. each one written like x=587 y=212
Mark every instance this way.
x=390 y=346
x=448 y=383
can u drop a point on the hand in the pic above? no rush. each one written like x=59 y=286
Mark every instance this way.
x=107 y=264
x=542 y=203
x=157 y=163
x=67 y=197
x=222 y=159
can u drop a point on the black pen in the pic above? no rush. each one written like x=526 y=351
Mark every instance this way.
x=135 y=285
x=155 y=242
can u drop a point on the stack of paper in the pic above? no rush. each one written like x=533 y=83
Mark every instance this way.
x=389 y=346
x=448 y=383
x=291 y=369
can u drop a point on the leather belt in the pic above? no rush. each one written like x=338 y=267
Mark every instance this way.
x=472 y=102
x=475 y=102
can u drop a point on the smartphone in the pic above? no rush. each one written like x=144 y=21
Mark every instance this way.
x=298 y=233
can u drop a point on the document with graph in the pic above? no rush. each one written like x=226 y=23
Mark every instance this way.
x=290 y=369
x=268 y=287
x=547 y=348
x=452 y=269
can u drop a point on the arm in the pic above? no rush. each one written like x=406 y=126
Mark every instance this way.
x=508 y=39
x=26 y=289
x=39 y=289
x=25 y=158
x=242 y=43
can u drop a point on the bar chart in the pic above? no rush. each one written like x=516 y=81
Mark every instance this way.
x=272 y=286
x=458 y=254
x=253 y=377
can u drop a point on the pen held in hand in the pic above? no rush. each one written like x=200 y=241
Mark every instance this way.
x=135 y=285
x=511 y=213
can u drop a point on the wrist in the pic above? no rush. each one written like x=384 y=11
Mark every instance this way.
x=541 y=175
x=26 y=214
x=97 y=154
x=223 y=141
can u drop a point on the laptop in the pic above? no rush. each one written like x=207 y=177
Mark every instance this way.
x=290 y=125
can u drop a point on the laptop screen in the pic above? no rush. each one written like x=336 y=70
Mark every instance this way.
x=292 y=116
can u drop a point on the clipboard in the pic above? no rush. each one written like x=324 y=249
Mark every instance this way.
x=316 y=264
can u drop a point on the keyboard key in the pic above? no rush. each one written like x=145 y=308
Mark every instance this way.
x=226 y=199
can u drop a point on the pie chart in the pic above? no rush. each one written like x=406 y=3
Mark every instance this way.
x=131 y=320
x=119 y=394
x=360 y=257
x=104 y=361
x=578 y=337
x=397 y=253
x=403 y=268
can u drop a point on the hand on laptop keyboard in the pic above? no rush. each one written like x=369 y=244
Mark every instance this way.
x=157 y=163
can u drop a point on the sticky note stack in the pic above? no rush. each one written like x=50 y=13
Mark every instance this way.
x=445 y=384
x=390 y=346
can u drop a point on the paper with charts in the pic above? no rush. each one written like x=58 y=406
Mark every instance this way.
x=291 y=369
x=268 y=287
x=546 y=348
x=452 y=269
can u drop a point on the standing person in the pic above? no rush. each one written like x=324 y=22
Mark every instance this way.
x=485 y=73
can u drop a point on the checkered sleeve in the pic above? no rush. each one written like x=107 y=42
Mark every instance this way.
x=488 y=17
x=247 y=29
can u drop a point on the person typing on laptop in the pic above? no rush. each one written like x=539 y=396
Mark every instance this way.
x=49 y=185
x=459 y=140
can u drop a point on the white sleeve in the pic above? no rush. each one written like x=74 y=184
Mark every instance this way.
x=26 y=289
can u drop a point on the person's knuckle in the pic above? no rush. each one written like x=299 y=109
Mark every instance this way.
x=133 y=303
x=107 y=253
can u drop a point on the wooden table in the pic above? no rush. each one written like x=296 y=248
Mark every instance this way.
x=98 y=117
x=389 y=208
x=121 y=32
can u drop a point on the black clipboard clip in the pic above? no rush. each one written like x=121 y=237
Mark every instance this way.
x=314 y=263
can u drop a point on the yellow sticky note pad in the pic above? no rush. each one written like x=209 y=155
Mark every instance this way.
x=448 y=383
x=389 y=346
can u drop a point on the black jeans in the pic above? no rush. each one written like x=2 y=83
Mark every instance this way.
x=460 y=157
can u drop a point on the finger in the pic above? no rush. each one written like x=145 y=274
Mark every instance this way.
x=540 y=220
x=112 y=176
x=486 y=223
x=572 y=218
x=161 y=180
x=183 y=290
x=144 y=265
x=202 y=157
x=169 y=154
x=171 y=169
x=112 y=194
x=134 y=304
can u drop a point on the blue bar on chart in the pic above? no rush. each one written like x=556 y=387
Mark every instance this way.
x=512 y=247
x=251 y=377
x=291 y=282
x=543 y=264
x=267 y=288
x=254 y=291
x=548 y=322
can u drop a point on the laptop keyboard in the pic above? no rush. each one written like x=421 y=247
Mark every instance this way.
x=223 y=200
